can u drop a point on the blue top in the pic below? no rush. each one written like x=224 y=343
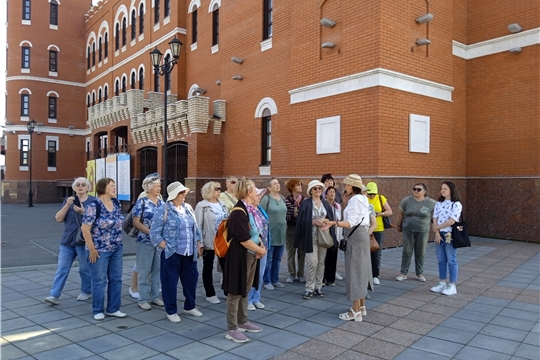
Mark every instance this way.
x=254 y=231
x=149 y=210
x=71 y=226
x=185 y=230
x=107 y=230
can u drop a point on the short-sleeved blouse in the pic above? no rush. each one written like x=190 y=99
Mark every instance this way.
x=146 y=219
x=106 y=231
x=357 y=211
x=446 y=210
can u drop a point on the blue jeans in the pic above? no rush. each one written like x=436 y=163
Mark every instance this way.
x=254 y=296
x=273 y=262
x=107 y=271
x=183 y=267
x=66 y=256
x=148 y=266
x=447 y=258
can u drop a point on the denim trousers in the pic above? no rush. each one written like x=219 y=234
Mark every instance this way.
x=413 y=242
x=254 y=296
x=66 y=256
x=183 y=267
x=207 y=272
x=447 y=259
x=376 y=255
x=148 y=267
x=273 y=262
x=107 y=272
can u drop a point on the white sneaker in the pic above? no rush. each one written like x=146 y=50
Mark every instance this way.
x=251 y=307
x=173 y=318
x=99 y=316
x=303 y=279
x=83 y=297
x=278 y=285
x=339 y=277
x=450 y=290
x=145 y=306
x=376 y=281
x=290 y=279
x=213 y=299
x=134 y=294
x=193 y=312
x=439 y=288
x=401 y=277
x=117 y=314
x=51 y=300
x=268 y=286
x=259 y=305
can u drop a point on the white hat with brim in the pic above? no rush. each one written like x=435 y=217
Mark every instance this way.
x=174 y=189
x=314 y=183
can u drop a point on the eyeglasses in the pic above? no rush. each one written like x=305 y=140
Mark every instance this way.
x=232 y=182
x=154 y=179
x=318 y=188
x=217 y=189
x=371 y=194
x=80 y=184
x=417 y=189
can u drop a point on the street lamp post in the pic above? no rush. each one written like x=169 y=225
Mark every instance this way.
x=163 y=69
x=30 y=126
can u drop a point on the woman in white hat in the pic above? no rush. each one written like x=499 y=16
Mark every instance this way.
x=174 y=229
x=314 y=213
x=357 y=255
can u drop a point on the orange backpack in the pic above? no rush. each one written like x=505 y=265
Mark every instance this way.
x=221 y=244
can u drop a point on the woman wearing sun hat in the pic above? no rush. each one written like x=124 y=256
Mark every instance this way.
x=174 y=229
x=314 y=213
x=357 y=255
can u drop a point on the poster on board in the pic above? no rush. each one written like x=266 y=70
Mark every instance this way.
x=100 y=169
x=91 y=176
x=110 y=169
x=123 y=184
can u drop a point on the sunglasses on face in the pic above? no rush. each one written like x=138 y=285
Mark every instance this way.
x=80 y=184
x=417 y=189
x=154 y=179
x=371 y=194
x=217 y=189
x=318 y=188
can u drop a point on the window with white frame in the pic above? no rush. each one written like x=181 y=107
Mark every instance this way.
x=329 y=135
x=419 y=136
x=25 y=57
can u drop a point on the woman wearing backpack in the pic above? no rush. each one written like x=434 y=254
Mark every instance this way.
x=148 y=256
x=102 y=229
x=209 y=213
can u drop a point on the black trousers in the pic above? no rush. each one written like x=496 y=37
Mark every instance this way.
x=330 y=265
x=208 y=269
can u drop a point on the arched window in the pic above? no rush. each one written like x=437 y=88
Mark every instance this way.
x=88 y=101
x=167 y=74
x=133 y=78
x=133 y=24
x=100 y=50
x=106 y=93
x=141 y=19
x=156 y=11
x=124 y=84
x=124 y=30
x=117 y=37
x=166 y=8
x=88 y=58
x=266 y=138
x=53 y=18
x=99 y=96
x=94 y=53
x=93 y=98
x=194 y=21
x=215 y=25
x=106 y=45
x=116 y=88
x=141 y=79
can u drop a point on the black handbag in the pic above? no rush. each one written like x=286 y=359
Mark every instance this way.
x=460 y=234
x=387 y=222
x=343 y=242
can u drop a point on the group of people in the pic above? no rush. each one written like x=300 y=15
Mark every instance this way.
x=261 y=224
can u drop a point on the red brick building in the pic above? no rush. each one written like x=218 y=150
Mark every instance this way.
x=297 y=89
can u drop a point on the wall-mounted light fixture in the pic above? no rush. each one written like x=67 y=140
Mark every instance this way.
x=199 y=91
x=328 y=45
x=237 y=60
x=515 y=50
x=237 y=77
x=514 y=28
x=71 y=127
x=326 y=22
x=218 y=82
x=424 y=18
x=423 y=42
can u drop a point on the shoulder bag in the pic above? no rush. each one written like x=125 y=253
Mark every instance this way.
x=460 y=234
x=343 y=242
x=324 y=238
x=387 y=222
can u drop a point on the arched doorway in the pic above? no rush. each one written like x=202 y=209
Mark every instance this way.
x=177 y=158
x=148 y=161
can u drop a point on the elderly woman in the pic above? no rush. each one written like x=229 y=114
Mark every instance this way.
x=241 y=270
x=174 y=229
x=357 y=255
x=314 y=214
x=382 y=209
x=328 y=181
x=261 y=218
x=274 y=205
x=413 y=222
x=447 y=211
x=148 y=256
x=102 y=229
x=209 y=213
x=293 y=201
x=330 y=263
x=228 y=196
x=71 y=215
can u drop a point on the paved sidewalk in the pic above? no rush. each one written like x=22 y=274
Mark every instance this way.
x=495 y=315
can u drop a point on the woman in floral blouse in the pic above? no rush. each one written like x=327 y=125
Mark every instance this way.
x=102 y=231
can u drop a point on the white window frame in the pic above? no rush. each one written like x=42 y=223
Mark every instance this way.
x=329 y=135
x=419 y=133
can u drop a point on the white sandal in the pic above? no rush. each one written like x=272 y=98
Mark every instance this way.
x=357 y=316
x=363 y=310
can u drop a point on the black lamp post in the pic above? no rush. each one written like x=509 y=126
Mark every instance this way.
x=163 y=69
x=30 y=126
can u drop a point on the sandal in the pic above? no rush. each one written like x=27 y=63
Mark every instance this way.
x=357 y=316
x=363 y=310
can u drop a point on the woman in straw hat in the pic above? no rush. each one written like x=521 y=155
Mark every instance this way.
x=174 y=229
x=357 y=255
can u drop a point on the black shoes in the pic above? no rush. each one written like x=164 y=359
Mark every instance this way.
x=307 y=295
x=319 y=293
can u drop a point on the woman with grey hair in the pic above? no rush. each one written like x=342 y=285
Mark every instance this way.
x=228 y=196
x=71 y=215
x=209 y=213
x=148 y=256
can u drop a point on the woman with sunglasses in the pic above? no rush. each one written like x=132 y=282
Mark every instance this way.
x=314 y=213
x=413 y=222
x=71 y=215
x=148 y=256
x=228 y=196
x=293 y=201
x=209 y=213
x=174 y=229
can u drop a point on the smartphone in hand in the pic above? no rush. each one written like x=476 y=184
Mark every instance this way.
x=77 y=201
